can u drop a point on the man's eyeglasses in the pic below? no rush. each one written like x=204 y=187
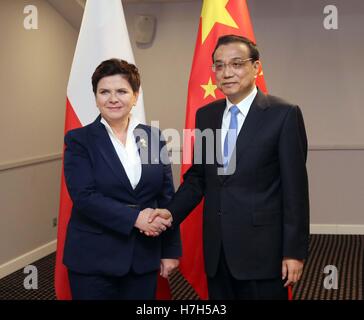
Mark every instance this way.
x=235 y=65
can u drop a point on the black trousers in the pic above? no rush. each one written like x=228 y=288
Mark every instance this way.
x=128 y=287
x=223 y=286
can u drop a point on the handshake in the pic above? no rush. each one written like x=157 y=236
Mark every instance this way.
x=152 y=222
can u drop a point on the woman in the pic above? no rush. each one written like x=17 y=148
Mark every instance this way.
x=113 y=184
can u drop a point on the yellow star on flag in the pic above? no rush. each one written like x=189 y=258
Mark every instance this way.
x=209 y=89
x=214 y=11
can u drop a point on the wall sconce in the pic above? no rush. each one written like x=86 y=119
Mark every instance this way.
x=145 y=26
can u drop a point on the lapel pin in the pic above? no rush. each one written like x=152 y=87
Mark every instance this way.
x=143 y=143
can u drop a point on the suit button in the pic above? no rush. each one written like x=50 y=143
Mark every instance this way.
x=219 y=213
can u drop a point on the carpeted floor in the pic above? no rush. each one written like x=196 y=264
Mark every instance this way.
x=345 y=252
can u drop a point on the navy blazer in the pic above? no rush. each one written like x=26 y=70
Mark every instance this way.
x=260 y=213
x=101 y=237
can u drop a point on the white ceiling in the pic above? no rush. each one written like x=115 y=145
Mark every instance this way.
x=72 y=10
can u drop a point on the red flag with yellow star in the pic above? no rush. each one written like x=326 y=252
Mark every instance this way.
x=218 y=17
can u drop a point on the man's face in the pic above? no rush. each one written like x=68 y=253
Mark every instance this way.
x=235 y=75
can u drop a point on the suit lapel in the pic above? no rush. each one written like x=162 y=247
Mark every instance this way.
x=251 y=124
x=249 y=129
x=106 y=148
x=216 y=127
x=143 y=141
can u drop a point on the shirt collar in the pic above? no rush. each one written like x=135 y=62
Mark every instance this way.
x=133 y=123
x=243 y=105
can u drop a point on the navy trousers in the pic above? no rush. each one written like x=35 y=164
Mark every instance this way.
x=128 y=287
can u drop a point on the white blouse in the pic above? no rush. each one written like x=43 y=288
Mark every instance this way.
x=128 y=153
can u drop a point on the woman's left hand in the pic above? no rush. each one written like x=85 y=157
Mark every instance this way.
x=167 y=266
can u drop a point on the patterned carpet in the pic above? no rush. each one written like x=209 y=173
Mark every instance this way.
x=345 y=252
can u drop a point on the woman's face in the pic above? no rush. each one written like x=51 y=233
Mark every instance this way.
x=115 y=98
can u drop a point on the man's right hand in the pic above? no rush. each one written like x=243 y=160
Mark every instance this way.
x=163 y=213
x=152 y=226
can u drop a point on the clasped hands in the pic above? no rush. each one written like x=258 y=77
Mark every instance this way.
x=152 y=222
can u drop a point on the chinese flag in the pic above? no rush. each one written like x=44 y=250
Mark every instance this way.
x=103 y=35
x=218 y=17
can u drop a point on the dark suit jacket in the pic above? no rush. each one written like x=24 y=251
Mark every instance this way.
x=260 y=213
x=101 y=237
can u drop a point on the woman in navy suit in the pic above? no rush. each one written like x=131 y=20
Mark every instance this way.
x=115 y=176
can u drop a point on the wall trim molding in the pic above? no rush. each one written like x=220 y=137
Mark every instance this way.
x=336 y=147
x=310 y=148
x=30 y=161
x=337 y=228
x=27 y=258
x=58 y=156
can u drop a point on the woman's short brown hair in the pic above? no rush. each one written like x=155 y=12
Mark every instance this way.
x=114 y=66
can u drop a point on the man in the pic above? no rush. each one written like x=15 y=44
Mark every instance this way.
x=256 y=215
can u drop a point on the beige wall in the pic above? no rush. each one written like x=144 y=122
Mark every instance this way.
x=34 y=71
x=336 y=186
x=29 y=198
x=166 y=64
x=34 y=68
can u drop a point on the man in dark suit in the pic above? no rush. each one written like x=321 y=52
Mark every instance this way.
x=256 y=209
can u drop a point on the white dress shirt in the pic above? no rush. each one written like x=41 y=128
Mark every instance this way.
x=128 y=153
x=244 y=106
